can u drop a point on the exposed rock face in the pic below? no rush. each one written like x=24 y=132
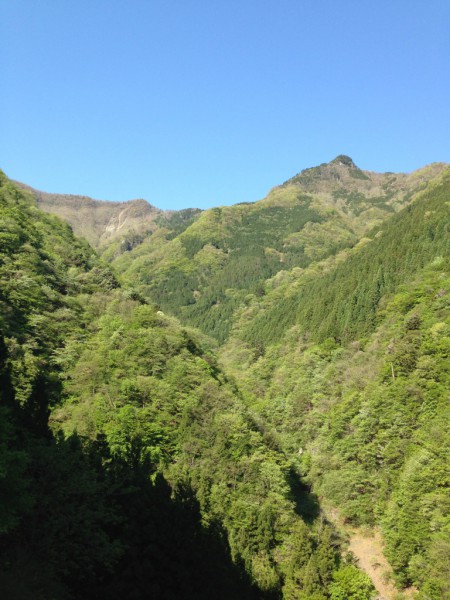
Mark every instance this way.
x=99 y=221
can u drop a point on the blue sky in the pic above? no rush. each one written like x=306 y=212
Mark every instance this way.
x=195 y=103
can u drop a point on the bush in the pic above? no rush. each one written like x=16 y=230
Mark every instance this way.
x=349 y=583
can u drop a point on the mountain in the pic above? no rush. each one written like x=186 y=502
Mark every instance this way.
x=101 y=222
x=68 y=505
x=129 y=465
x=203 y=274
x=185 y=409
x=348 y=368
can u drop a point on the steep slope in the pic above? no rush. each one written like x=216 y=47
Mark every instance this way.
x=144 y=386
x=78 y=519
x=203 y=274
x=347 y=366
x=339 y=298
x=333 y=293
x=129 y=464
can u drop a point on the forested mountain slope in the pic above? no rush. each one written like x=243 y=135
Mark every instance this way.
x=79 y=517
x=204 y=274
x=130 y=467
x=339 y=298
x=329 y=302
x=348 y=367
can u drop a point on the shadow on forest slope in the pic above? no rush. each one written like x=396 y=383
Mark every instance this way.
x=306 y=502
x=98 y=527
x=77 y=523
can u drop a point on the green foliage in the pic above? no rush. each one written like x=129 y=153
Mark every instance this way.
x=137 y=398
x=371 y=421
x=342 y=303
x=177 y=221
x=350 y=584
x=15 y=499
x=202 y=277
x=42 y=270
x=133 y=462
x=147 y=386
x=81 y=518
x=204 y=274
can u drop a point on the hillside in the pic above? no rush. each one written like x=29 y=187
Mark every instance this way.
x=367 y=421
x=68 y=505
x=347 y=367
x=129 y=464
x=232 y=376
x=103 y=222
x=204 y=274
x=339 y=298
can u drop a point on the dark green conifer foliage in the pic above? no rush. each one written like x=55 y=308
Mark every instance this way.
x=343 y=302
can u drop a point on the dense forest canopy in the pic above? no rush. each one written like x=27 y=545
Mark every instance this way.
x=178 y=404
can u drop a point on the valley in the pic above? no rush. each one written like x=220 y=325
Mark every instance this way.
x=204 y=404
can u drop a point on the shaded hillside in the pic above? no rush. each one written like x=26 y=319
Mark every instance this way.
x=204 y=274
x=367 y=422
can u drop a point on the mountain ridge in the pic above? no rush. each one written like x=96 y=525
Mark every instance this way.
x=327 y=382
x=343 y=171
x=103 y=221
x=203 y=273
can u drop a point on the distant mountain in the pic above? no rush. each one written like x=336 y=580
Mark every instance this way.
x=203 y=274
x=339 y=188
x=101 y=222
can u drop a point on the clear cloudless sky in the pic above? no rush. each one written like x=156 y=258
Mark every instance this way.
x=202 y=103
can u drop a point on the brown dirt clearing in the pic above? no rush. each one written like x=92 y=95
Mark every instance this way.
x=367 y=547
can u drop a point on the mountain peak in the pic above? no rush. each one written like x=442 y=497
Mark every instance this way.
x=338 y=172
x=344 y=160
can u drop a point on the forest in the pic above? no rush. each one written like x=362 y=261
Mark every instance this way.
x=182 y=402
